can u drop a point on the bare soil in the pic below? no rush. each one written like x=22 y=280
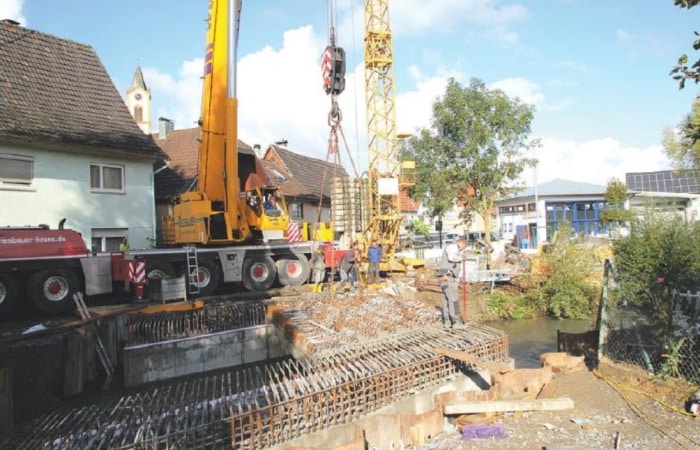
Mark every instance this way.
x=617 y=406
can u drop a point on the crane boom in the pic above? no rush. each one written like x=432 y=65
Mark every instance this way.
x=227 y=206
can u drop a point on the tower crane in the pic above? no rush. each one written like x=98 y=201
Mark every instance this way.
x=384 y=174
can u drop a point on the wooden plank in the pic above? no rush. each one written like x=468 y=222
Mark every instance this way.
x=469 y=358
x=542 y=404
x=7 y=421
x=74 y=368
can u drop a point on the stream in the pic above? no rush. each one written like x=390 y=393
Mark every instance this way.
x=529 y=338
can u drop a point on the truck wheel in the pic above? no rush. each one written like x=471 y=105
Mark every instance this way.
x=208 y=278
x=52 y=290
x=159 y=271
x=8 y=293
x=259 y=272
x=293 y=272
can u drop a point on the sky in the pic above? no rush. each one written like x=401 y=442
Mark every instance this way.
x=596 y=71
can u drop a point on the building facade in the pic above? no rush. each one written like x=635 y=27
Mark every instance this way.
x=535 y=214
x=69 y=148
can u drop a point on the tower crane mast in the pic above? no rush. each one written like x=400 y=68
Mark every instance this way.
x=384 y=168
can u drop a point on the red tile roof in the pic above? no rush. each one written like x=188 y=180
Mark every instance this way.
x=182 y=147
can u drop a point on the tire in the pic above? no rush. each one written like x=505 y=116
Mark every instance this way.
x=8 y=294
x=157 y=271
x=259 y=273
x=52 y=290
x=208 y=278
x=293 y=272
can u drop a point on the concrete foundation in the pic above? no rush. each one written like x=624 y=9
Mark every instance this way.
x=147 y=363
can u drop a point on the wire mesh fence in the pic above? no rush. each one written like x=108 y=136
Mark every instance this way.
x=664 y=344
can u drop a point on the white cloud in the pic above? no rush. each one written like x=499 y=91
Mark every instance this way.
x=594 y=161
x=527 y=91
x=12 y=9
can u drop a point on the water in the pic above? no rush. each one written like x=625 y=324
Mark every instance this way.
x=530 y=338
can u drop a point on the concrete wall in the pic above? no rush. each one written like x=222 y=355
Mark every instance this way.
x=164 y=360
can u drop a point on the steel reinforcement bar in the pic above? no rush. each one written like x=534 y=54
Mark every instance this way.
x=150 y=328
x=266 y=405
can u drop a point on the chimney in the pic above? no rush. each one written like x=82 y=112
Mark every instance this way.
x=165 y=126
x=9 y=22
x=282 y=142
x=257 y=150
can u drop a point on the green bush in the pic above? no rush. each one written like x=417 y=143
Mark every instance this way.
x=570 y=289
x=660 y=255
x=505 y=306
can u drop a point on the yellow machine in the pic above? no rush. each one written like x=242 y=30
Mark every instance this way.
x=232 y=228
x=387 y=175
x=228 y=205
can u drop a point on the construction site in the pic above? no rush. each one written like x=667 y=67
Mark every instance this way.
x=325 y=345
x=313 y=370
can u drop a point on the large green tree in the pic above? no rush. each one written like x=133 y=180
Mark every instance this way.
x=682 y=71
x=682 y=145
x=475 y=150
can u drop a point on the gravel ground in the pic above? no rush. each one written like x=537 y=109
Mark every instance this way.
x=604 y=417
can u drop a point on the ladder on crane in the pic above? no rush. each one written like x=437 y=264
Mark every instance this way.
x=192 y=269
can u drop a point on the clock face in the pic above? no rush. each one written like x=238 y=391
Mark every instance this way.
x=137 y=96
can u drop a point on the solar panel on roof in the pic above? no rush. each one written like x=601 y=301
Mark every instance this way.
x=686 y=182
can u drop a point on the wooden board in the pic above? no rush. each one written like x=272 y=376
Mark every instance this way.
x=543 y=404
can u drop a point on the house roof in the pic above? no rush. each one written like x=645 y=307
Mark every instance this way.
x=57 y=92
x=306 y=174
x=562 y=187
x=182 y=147
x=408 y=204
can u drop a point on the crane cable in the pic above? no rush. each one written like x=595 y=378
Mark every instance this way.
x=333 y=73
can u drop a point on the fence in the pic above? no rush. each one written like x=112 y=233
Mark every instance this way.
x=662 y=344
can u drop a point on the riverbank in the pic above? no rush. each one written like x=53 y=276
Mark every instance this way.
x=616 y=406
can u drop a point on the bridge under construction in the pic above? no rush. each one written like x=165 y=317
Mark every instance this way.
x=335 y=361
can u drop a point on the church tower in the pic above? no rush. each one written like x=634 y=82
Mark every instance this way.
x=138 y=100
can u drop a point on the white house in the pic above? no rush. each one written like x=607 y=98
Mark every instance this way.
x=68 y=146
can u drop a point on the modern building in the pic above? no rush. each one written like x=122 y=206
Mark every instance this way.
x=69 y=149
x=665 y=191
x=535 y=214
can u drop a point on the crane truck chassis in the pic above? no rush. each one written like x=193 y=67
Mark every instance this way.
x=49 y=265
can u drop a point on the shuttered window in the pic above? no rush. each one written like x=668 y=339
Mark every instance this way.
x=16 y=171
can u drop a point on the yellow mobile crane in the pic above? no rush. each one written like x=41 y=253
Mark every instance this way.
x=227 y=225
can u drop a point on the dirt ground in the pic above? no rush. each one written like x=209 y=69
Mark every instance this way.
x=610 y=412
x=617 y=406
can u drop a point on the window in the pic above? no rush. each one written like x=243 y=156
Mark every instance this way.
x=295 y=211
x=16 y=171
x=106 y=178
x=138 y=113
x=107 y=239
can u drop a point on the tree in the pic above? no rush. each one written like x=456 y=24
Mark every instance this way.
x=682 y=146
x=616 y=196
x=682 y=71
x=474 y=151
